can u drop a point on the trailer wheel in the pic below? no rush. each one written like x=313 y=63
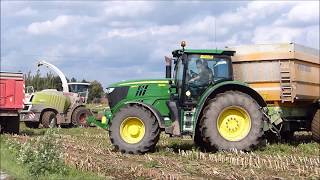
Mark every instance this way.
x=233 y=120
x=49 y=119
x=134 y=130
x=315 y=126
x=10 y=125
x=31 y=124
x=79 y=116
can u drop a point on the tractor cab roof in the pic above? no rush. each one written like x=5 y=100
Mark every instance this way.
x=179 y=52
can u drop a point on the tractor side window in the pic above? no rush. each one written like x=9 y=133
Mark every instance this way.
x=221 y=69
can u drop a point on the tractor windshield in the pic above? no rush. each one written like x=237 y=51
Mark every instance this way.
x=204 y=70
x=81 y=88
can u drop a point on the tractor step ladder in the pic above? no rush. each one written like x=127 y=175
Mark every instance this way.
x=286 y=82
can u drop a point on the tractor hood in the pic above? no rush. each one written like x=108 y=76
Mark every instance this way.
x=148 y=91
x=138 y=82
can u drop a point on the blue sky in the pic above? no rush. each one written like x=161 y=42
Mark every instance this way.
x=114 y=41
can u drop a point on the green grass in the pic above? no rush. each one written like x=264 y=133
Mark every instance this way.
x=18 y=171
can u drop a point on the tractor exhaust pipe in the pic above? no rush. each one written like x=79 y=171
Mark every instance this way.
x=168 y=66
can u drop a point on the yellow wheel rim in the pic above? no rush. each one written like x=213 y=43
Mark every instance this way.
x=234 y=123
x=132 y=130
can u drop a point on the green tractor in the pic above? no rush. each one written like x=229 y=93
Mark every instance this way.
x=201 y=100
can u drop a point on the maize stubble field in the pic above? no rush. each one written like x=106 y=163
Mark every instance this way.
x=90 y=150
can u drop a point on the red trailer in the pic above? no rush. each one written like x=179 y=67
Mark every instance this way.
x=11 y=101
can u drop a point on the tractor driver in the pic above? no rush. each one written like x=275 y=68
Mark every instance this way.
x=202 y=79
x=204 y=74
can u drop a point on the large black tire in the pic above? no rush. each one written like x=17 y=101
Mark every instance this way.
x=315 y=126
x=31 y=124
x=212 y=112
x=201 y=142
x=152 y=130
x=49 y=119
x=10 y=124
x=79 y=117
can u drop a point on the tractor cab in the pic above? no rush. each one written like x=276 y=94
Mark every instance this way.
x=195 y=70
x=82 y=89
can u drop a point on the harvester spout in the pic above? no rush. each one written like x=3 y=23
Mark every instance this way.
x=63 y=79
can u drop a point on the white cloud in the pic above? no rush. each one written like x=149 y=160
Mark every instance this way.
x=125 y=33
x=49 y=26
x=142 y=32
x=128 y=8
x=252 y=12
x=299 y=24
x=269 y=34
x=165 y=30
x=26 y=12
x=306 y=12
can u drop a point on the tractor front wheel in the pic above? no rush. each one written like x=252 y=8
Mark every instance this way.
x=49 y=119
x=232 y=120
x=134 y=130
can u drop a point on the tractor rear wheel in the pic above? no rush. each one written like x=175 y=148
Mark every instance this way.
x=232 y=120
x=134 y=130
x=315 y=126
x=49 y=119
x=79 y=116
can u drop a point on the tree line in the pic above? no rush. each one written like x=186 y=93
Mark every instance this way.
x=50 y=81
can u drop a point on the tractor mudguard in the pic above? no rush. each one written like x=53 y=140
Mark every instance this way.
x=107 y=118
x=226 y=86
x=155 y=112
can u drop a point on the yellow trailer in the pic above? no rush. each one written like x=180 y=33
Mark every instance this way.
x=288 y=77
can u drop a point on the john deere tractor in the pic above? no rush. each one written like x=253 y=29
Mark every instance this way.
x=201 y=99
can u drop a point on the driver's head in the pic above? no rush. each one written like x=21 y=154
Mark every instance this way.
x=199 y=64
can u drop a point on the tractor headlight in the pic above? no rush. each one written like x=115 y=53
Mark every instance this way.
x=109 y=90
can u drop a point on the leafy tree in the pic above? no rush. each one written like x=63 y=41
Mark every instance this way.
x=50 y=81
x=95 y=91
